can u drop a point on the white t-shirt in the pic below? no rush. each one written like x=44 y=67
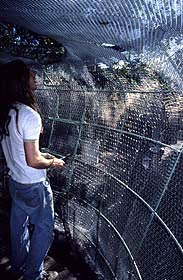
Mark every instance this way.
x=29 y=128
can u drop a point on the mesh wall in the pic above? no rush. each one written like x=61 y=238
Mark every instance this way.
x=122 y=189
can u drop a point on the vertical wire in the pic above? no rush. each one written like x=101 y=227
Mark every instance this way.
x=175 y=162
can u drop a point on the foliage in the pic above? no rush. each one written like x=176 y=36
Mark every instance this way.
x=20 y=42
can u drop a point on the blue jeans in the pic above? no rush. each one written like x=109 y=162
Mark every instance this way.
x=31 y=203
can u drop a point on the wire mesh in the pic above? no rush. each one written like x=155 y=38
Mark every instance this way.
x=123 y=185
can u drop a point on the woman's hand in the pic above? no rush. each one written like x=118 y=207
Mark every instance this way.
x=57 y=163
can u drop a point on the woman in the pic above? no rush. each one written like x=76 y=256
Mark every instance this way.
x=31 y=194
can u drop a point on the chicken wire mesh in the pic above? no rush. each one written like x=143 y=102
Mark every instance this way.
x=122 y=188
x=114 y=102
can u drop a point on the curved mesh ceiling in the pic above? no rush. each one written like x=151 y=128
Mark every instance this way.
x=107 y=31
x=95 y=30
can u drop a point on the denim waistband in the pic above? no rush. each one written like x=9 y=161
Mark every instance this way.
x=30 y=184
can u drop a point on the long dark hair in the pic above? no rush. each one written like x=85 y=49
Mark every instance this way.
x=14 y=88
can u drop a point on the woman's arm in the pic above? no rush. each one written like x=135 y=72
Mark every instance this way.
x=35 y=159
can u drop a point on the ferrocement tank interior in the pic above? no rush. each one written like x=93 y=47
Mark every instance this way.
x=111 y=95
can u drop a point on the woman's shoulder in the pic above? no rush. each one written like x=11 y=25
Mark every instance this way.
x=26 y=111
x=26 y=108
